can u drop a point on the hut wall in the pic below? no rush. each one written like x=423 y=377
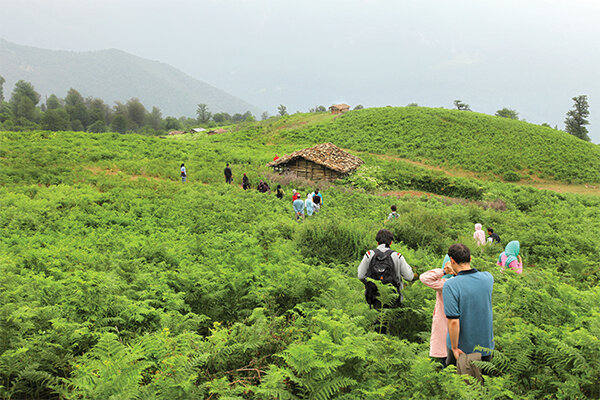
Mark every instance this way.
x=312 y=171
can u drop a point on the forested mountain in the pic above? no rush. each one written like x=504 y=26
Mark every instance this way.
x=113 y=75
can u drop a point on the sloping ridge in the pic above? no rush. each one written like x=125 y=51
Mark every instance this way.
x=113 y=75
x=471 y=141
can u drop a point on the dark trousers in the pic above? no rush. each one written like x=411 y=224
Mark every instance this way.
x=452 y=361
x=228 y=179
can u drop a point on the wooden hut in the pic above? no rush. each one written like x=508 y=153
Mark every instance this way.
x=322 y=162
x=339 y=108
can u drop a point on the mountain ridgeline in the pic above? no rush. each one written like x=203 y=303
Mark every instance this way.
x=113 y=75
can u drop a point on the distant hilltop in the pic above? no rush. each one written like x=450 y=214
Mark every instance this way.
x=113 y=75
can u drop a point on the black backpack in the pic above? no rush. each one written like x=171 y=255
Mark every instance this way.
x=381 y=269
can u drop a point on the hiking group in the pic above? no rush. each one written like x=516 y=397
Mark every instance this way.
x=462 y=324
x=308 y=207
x=302 y=208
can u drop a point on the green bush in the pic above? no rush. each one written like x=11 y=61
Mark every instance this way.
x=511 y=176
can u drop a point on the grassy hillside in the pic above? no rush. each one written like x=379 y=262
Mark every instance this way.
x=120 y=281
x=113 y=75
x=471 y=141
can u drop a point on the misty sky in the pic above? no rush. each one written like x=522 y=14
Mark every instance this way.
x=529 y=55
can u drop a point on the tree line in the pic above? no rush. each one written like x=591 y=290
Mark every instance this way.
x=25 y=111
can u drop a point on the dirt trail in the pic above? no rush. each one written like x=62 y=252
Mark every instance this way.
x=114 y=171
x=543 y=184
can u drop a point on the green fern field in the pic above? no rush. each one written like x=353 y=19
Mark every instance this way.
x=474 y=142
x=120 y=282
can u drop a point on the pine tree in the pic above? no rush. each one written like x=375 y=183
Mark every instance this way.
x=576 y=118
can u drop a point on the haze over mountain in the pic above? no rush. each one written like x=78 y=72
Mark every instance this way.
x=113 y=75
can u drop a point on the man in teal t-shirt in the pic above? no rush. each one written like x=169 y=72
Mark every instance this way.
x=468 y=306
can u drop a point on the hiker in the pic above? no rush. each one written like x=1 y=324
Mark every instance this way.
x=228 y=174
x=279 y=193
x=295 y=195
x=317 y=199
x=435 y=279
x=393 y=215
x=309 y=205
x=468 y=306
x=276 y=157
x=479 y=235
x=386 y=266
x=299 y=208
x=492 y=237
x=263 y=187
x=245 y=182
x=510 y=257
x=183 y=173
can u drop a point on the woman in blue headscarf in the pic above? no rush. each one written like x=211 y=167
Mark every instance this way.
x=510 y=257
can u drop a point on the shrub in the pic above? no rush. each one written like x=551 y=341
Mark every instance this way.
x=334 y=241
x=511 y=176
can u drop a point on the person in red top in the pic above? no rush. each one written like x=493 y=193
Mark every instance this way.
x=295 y=195
x=276 y=157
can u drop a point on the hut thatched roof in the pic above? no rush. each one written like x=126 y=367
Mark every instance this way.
x=326 y=154
x=339 y=107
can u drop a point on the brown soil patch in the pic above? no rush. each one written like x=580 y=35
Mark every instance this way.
x=108 y=171
x=413 y=193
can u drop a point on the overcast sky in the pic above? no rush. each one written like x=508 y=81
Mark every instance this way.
x=529 y=55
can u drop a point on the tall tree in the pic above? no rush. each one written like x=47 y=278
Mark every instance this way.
x=507 y=113
x=248 y=117
x=461 y=106
x=2 y=80
x=155 y=118
x=203 y=114
x=53 y=103
x=576 y=118
x=23 y=100
x=220 y=118
x=119 y=123
x=98 y=112
x=75 y=106
x=136 y=112
x=282 y=110
x=55 y=119
x=172 y=123
x=264 y=116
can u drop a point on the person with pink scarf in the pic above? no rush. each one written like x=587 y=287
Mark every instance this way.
x=479 y=235
x=435 y=279
x=510 y=257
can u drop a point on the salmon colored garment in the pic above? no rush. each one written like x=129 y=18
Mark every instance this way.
x=439 y=326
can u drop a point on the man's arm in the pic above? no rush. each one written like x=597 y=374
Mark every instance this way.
x=404 y=270
x=454 y=332
x=364 y=266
